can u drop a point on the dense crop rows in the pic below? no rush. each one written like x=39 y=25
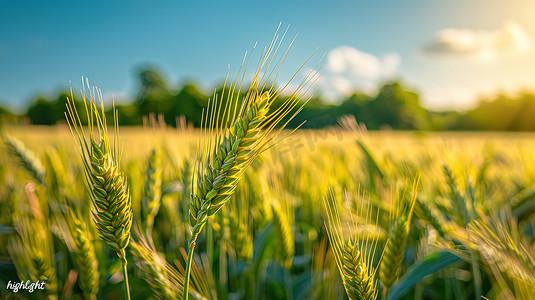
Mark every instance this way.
x=463 y=230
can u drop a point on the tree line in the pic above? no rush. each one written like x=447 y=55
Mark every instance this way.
x=394 y=107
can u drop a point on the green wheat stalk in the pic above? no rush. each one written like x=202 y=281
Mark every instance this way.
x=112 y=206
x=155 y=271
x=234 y=133
x=76 y=236
x=354 y=254
x=153 y=190
x=399 y=232
x=32 y=248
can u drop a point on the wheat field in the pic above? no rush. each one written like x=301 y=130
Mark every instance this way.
x=334 y=213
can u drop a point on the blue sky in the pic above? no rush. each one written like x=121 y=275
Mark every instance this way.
x=451 y=52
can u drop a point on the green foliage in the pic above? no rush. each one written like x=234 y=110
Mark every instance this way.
x=503 y=113
x=427 y=266
x=394 y=106
x=44 y=112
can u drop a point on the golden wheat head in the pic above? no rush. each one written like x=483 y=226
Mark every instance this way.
x=112 y=207
x=399 y=232
x=152 y=195
x=32 y=248
x=354 y=255
x=155 y=272
x=235 y=131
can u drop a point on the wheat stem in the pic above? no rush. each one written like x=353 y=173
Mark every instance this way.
x=235 y=132
x=112 y=206
x=191 y=248
x=125 y=273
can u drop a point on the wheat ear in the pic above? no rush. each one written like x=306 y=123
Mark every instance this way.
x=238 y=219
x=57 y=176
x=234 y=133
x=27 y=158
x=283 y=227
x=85 y=259
x=425 y=213
x=154 y=270
x=500 y=242
x=399 y=231
x=218 y=179
x=112 y=206
x=153 y=190
x=354 y=255
x=166 y=281
x=283 y=219
x=32 y=248
x=462 y=215
x=71 y=228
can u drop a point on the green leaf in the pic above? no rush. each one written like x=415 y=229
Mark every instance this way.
x=7 y=273
x=374 y=171
x=523 y=204
x=372 y=163
x=260 y=240
x=430 y=264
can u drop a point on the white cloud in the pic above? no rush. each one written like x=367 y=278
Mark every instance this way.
x=353 y=61
x=464 y=97
x=349 y=70
x=449 y=97
x=334 y=86
x=390 y=64
x=511 y=36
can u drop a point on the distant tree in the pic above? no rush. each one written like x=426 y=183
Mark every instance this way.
x=154 y=96
x=49 y=112
x=524 y=119
x=7 y=117
x=503 y=113
x=127 y=115
x=357 y=105
x=42 y=112
x=397 y=108
x=443 y=120
x=394 y=106
x=188 y=102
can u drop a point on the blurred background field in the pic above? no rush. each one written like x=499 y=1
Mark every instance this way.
x=270 y=242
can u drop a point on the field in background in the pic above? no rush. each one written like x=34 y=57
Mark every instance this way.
x=270 y=241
